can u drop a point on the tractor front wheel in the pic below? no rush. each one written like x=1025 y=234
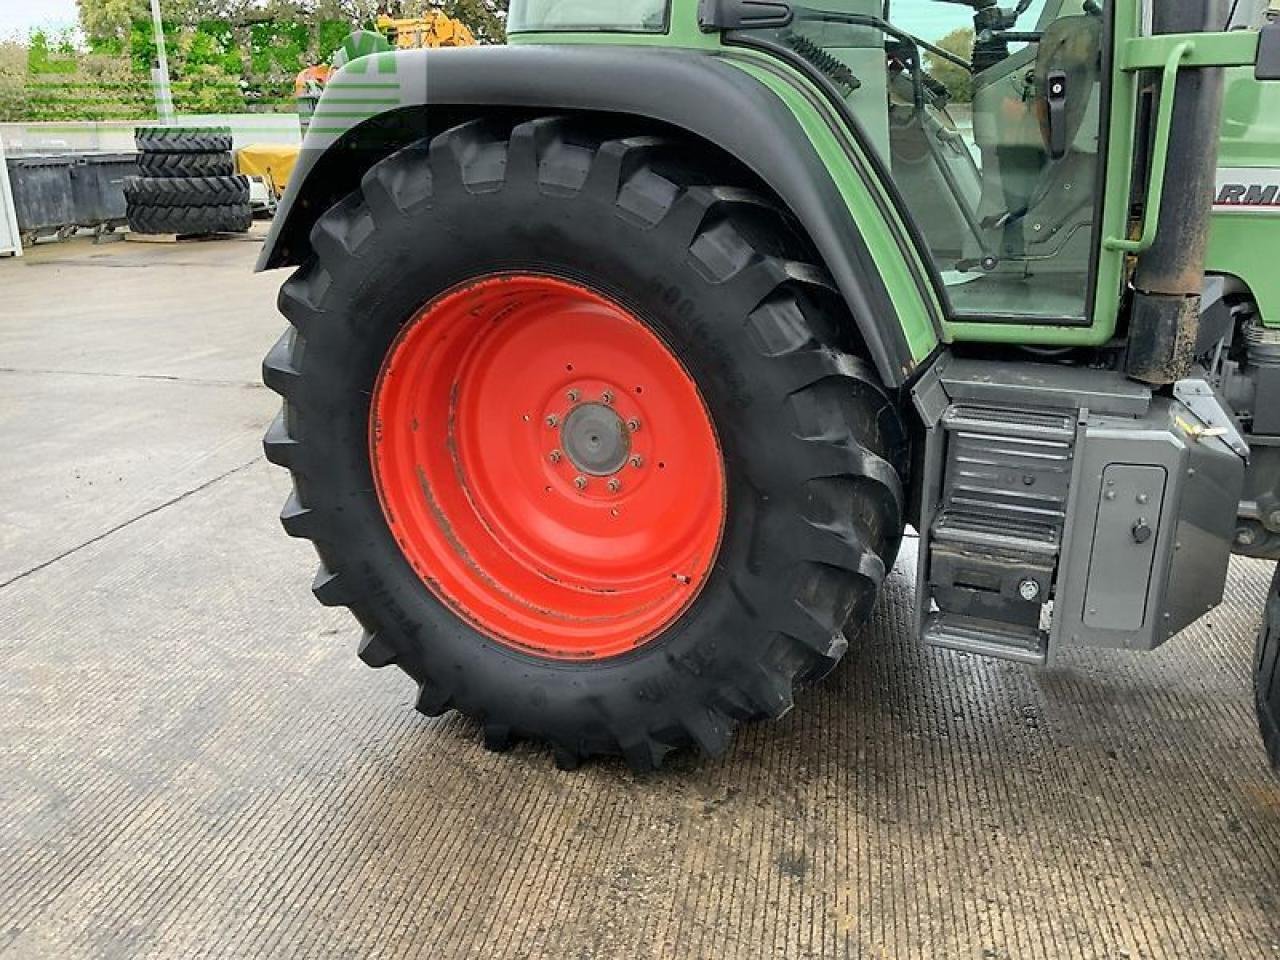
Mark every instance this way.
x=582 y=439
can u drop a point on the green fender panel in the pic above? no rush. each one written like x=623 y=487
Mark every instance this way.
x=380 y=103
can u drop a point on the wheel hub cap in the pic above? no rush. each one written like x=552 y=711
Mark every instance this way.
x=596 y=440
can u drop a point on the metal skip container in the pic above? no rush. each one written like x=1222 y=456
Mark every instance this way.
x=59 y=194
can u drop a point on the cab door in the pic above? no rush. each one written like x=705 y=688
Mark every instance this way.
x=990 y=124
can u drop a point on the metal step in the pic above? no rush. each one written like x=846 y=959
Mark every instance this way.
x=986 y=532
x=999 y=421
x=987 y=638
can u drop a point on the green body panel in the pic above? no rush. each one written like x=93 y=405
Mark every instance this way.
x=1250 y=134
x=1247 y=244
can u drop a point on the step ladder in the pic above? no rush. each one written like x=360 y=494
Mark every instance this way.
x=993 y=524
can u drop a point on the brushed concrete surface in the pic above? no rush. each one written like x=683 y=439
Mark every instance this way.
x=194 y=764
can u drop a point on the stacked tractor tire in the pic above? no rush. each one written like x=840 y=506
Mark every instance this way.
x=188 y=184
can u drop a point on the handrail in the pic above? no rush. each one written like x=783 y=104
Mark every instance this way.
x=1159 y=155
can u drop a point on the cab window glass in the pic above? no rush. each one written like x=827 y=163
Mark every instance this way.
x=988 y=120
x=637 y=16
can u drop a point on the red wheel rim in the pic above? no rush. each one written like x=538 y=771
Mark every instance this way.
x=547 y=466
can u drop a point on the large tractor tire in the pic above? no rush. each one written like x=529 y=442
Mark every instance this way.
x=1266 y=673
x=186 y=191
x=183 y=139
x=181 y=165
x=190 y=221
x=582 y=439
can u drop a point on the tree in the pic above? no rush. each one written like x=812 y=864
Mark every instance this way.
x=957 y=80
x=107 y=22
x=15 y=101
x=224 y=55
x=49 y=78
x=487 y=20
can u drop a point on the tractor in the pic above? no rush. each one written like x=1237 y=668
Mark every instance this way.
x=622 y=356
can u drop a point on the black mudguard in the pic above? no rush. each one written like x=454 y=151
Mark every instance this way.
x=413 y=93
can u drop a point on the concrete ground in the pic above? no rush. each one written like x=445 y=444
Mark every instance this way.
x=194 y=764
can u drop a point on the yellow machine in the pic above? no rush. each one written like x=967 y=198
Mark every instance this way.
x=435 y=29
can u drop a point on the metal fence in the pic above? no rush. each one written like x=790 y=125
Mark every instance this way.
x=46 y=139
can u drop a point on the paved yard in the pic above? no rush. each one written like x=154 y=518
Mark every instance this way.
x=194 y=764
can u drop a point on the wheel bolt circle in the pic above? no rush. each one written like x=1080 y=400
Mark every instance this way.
x=557 y=456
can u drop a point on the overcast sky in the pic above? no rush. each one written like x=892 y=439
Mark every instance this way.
x=21 y=16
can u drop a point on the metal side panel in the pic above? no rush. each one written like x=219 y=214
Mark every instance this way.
x=1150 y=534
x=1037 y=385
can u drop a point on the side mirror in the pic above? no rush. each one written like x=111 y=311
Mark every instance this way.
x=1268 y=67
x=717 y=15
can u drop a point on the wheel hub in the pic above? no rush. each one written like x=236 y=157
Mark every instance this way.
x=596 y=440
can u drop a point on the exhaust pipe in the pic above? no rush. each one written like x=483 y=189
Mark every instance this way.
x=1169 y=276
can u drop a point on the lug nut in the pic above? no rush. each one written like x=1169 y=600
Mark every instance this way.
x=552 y=420
x=637 y=462
x=555 y=456
x=573 y=396
x=607 y=397
x=633 y=425
x=580 y=483
x=615 y=485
